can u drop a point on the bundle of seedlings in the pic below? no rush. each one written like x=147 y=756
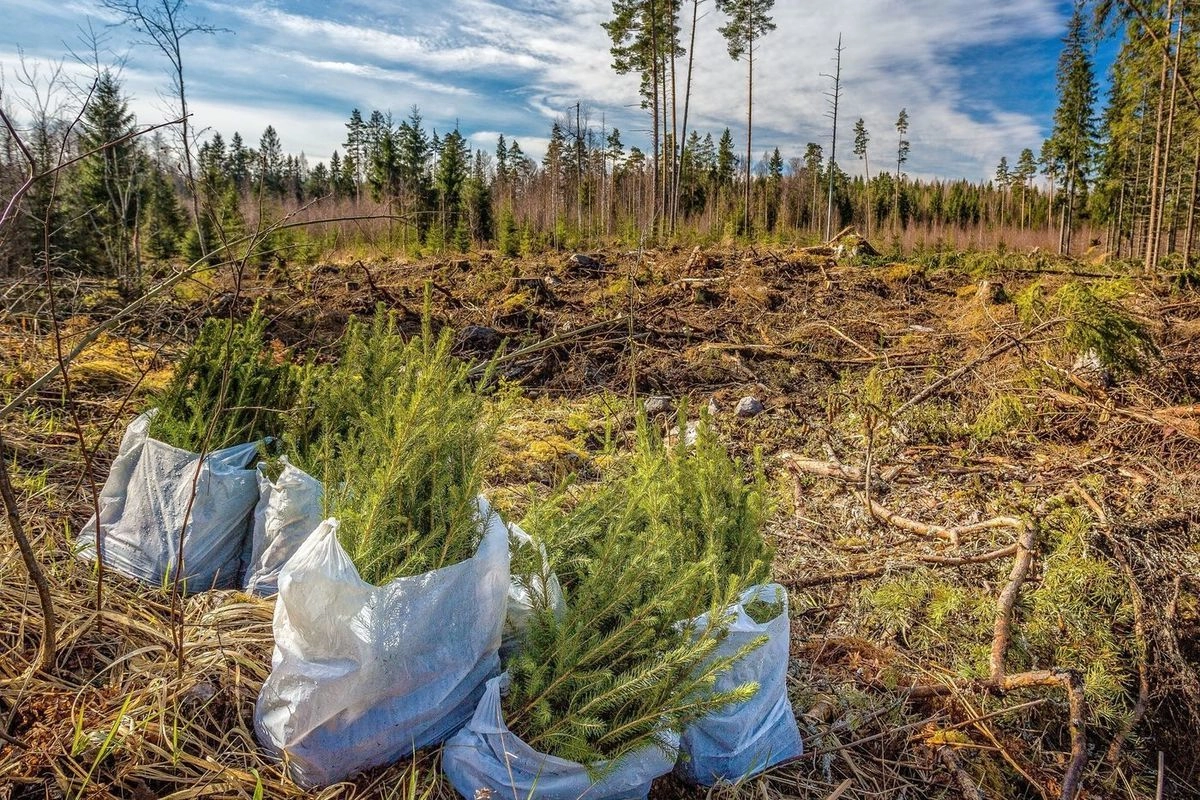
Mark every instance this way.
x=404 y=585
x=654 y=563
x=175 y=506
x=718 y=513
x=398 y=431
x=402 y=445
x=714 y=507
x=228 y=388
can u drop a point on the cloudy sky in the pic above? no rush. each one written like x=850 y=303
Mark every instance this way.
x=977 y=76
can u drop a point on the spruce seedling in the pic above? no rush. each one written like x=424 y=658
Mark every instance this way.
x=672 y=533
x=400 y=438
x=258 y=387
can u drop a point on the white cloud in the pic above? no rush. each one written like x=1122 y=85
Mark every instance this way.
x=514 y=65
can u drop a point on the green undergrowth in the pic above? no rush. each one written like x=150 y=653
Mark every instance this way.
x=1074 y=613
x=1093 y=320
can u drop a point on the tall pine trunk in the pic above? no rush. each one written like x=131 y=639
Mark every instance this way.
x=1152 y=223
x=687 y=99
x=749 y=122
x=1189 y=236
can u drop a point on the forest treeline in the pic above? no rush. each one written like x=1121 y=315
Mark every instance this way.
x=1125 y=173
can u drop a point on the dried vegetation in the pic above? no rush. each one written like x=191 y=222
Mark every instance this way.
x=991 y=528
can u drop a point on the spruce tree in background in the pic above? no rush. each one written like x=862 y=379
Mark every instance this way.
x=1073 y=140
x=110 y=186
x=270 y=163
x=415 y=152
x=748 y=22
x=452 y=170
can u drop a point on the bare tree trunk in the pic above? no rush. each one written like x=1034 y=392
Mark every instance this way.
x=1152 y=224
x=687 y=99
x=1166 y=156
x=1189 y=236
x=749 y=123
x=676 y=147
x=654 y=109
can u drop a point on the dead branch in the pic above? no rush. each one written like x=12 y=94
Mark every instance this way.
x=48 y=650
x=833 y=469
x=994 y=352
x=923 y=560
x=1008 y=599
x=965 y=785
x=1175 y=417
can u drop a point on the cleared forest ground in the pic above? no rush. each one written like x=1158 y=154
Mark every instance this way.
x=983 y=459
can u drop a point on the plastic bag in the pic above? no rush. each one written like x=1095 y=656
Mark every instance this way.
x=744 y=739
x=524 y=590
x=487 y=755
x=289 y=509
x=145 y=502
x=364 y=675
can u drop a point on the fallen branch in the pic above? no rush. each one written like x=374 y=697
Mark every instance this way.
x=833 y=469
x=1175 y=417
x=995 y=352
x=965 y=785
x=922 y=561
x=48 y=649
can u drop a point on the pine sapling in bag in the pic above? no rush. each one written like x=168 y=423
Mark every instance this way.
x=223 y=399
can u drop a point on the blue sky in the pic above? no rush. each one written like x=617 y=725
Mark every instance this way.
x=977 y=76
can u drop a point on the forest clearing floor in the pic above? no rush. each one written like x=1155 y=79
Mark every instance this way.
x=988 y=465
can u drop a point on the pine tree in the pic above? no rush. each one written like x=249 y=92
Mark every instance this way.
x=902 y=148
x=1004 y=180
x=1026 y=170
x=861 y=139
x=813 y=169
x=748 y=22
x=645 y=35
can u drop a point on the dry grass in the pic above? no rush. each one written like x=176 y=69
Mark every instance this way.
x=830 y=348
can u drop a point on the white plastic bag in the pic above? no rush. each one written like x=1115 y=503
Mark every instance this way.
x=524 y=591
x=145 y=501
x=487 y=755
x=289 y=509
x=744 y=739
x=364 y=675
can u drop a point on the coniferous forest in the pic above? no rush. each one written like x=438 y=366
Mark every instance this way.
x=638 y=460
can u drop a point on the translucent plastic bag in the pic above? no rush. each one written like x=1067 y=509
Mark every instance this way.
x=364 y=675
x=289 y=509
x=744 y=739
x=526 y=590
x=148 y=496
x=487 y=755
